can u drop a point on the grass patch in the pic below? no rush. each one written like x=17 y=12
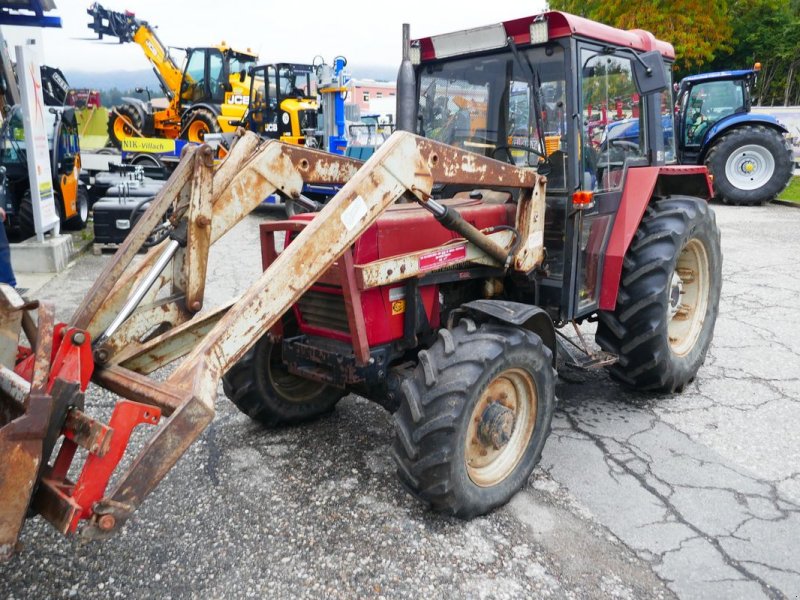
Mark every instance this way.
x=792 y=192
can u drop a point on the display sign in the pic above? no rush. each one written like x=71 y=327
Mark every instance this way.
x=149 y=145
x=45 y=217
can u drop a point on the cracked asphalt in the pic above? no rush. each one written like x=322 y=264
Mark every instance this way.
x=695 y=495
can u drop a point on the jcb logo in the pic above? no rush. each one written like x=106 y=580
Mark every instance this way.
x=271 y=127
x=238 y=99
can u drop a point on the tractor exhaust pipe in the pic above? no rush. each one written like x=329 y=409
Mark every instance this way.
x=406 y=88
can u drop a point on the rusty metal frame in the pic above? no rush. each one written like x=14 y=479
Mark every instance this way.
x=206 y=203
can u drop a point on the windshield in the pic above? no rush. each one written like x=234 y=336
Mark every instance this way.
x=294 y=84
x=486 y=105
x=241 y=62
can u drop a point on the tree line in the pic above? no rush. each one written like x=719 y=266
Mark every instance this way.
x=715 y=35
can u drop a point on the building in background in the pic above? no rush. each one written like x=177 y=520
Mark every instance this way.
x=364 y=91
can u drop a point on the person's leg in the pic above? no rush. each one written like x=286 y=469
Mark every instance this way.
x=6 y=272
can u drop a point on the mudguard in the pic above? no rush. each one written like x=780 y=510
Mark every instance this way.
x=737 y=120
x=142 y=107
x=640 y=186
x=532 y=318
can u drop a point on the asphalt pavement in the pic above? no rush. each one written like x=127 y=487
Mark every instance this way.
x=694 y=495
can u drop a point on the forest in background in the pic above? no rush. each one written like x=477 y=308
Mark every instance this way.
x=716 y=35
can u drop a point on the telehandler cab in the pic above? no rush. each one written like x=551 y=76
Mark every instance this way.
x=433 y=283
x=205 y=96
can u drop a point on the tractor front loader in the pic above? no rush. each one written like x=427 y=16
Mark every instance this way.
x=433 y=283
x=138 y=317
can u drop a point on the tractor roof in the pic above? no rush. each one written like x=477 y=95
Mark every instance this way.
x=717 y=76
x=559 y=25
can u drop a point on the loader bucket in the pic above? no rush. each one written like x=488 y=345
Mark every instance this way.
x=23 y=419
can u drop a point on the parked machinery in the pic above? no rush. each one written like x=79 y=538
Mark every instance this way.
x=283 y=104
x=747 y=154
x=435 y=283
x=70 y=195
x=204 y=96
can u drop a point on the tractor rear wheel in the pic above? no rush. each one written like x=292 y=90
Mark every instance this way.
x=751 y=165
x=668 y=297
x=123 y=122
x=262 y=387
x=197 y=123
x=474 y=417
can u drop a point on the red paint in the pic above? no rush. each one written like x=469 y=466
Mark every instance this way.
x=68 y=361
x=561 y=24
x=97 y=470
x=402 y=229
x=636 y=194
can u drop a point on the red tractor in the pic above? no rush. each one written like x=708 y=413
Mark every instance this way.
x=463 y=353
x=435 y=282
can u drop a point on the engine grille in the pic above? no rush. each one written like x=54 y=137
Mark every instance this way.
x=323 y=310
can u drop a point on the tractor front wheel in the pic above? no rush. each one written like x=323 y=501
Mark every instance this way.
x=751 y=165
x=668 y=297
x=124 y=122
x=262 y=387
x=197 y=123
x=474 y=417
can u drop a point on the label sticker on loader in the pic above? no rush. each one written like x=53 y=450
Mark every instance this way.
x=152 y=145
x=442 y=257
x=354 y=213
x=398 y=307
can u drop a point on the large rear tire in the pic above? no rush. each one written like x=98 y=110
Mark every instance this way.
x=751 y=165
x=668 y=297
x=261 y=386
x=474 y=417
x=124 y=122
x=198 y=122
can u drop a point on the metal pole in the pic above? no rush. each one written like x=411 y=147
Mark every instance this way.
x=139 y=292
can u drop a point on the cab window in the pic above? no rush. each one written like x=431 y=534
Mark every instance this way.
x=613 y=126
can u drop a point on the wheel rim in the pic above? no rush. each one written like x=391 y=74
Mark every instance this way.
x=500 y=427
x=122 y=127
x=292 y=388
x=83 y=207
x=197 y=131
x=750 y=167
x=688 y=297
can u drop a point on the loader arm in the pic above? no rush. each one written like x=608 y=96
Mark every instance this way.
x=139 y=317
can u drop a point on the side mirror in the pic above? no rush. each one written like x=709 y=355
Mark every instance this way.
x=649 y=73
x=242 y=76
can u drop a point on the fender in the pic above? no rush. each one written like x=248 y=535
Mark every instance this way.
x=214 y=108
x=532 y=318
x=143 y=108
x=736 y=120
x=640 y=186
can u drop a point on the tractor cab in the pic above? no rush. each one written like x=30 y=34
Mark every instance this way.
x=706 y=100
x=529 y=92
x=215 y=75
x=283 y=104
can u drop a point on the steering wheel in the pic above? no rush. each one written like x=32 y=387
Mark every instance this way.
x=510 y=157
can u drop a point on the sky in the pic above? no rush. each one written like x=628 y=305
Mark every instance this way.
x=366 y=33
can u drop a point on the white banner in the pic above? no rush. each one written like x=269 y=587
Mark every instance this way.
x=45 y=216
